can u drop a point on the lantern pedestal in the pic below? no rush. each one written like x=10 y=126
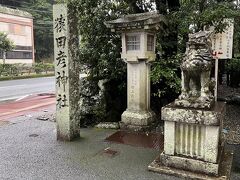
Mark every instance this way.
x=138 y=115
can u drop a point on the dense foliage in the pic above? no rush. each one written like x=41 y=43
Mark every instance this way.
x=43 y=28
x=165 y=74
x=194 y=16
x=233 y=71
x=100 y=57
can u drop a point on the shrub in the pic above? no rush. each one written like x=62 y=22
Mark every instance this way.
x=233 y=69
x=234 y=65
x=166 y=75
x=9 y=70
x=166 y=82
x=48 y=67
x=43 y=67
x=21 y=69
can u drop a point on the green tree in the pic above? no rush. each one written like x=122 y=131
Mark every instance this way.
x=43 y=28
x=5 y=45
x=168 y=39
x=100 y=51
x=10 y=3
x=194 y=15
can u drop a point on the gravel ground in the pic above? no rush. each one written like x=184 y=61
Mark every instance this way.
x=232 y=124
x=232 y=121
x=226 y=91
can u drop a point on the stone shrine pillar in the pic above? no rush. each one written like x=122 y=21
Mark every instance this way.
x=138 y=51
x=66 y=73
x=193 y=144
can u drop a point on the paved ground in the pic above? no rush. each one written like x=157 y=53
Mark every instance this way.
x=14 y=89
x=29 y=150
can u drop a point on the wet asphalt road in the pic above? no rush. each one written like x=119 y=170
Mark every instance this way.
x=15 y=89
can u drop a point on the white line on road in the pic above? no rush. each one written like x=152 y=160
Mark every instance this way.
x=23 y=97
x=15 y=86
x=11 y=98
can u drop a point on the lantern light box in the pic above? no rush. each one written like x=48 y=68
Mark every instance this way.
x=138 y=35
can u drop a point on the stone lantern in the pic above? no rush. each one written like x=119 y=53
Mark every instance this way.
x=138 y=50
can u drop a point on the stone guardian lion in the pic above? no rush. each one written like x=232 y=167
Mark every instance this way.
x=196 y=68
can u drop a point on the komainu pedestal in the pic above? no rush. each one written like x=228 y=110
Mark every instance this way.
x=192 y=138
x=193 y=147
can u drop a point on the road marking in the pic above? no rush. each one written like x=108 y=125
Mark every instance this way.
x=15 y=86
x=23 y=97
x=9 y=98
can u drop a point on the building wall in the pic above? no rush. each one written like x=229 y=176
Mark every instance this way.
x=20 y=31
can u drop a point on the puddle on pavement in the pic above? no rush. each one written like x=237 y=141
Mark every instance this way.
x=47 y=94
x=146 y=140
x=33 y=135
x=42 y=118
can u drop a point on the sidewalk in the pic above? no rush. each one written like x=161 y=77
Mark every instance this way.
x=29 y=150
x=28 y=104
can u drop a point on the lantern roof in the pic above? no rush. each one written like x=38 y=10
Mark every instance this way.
x=144 y=21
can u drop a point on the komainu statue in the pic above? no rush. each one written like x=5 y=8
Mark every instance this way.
x=196 y=68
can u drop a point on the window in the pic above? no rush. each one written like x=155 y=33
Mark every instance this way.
x=25 y=48
x=150 y=42
x=19 y=55
x=133 y=42
x=17 y=29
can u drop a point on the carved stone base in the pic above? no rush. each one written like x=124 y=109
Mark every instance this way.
x=213 y=116
x=138 y=121
x=138 y=128
x=194 y=103
x=224 y=172
x=189 y=164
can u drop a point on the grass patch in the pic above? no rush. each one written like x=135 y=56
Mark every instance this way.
x=6 y=78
